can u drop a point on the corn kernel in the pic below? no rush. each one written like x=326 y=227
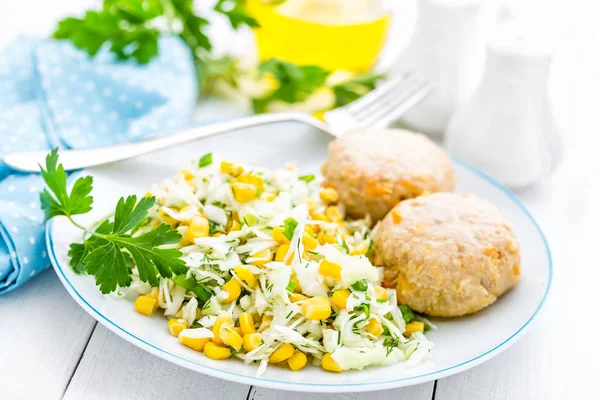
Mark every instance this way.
x=329 y=364
x=216 y=352
x=230 y=168
x=297 y=361
x=284 y=352
x=230 y=337
x=316 y=308
x=244 y=192
x=334 y=214
x=309 y=242
x=278 y=235
x=262 y=257
x=181 y=230
x=340 y=297
x=296 y=297
x=374 y=327
x=166 y=218
x=311 y=203
x=247 y=323
x=359 y=250
x=221 y=319
x=194 y=343
x=268 y=197
x=282 y=251
x=380 y=293
x=265 y=322
x=146 y=304
x=326 y=238
x=187 y=174
x=330 y=269
x=396 y=216
x=197 y=228
x=252 y=341
x=233 y=289
x=176 y=326
x=416 y=326
x=253 y=180
x=319 y=217
x=245 y=276
x=329 y=195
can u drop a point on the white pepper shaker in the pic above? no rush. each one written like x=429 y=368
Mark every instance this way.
x=447 y=48
x=507 y=128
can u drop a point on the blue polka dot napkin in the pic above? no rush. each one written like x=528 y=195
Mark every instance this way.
x=52 y=95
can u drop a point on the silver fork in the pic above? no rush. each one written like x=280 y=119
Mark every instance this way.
x=377 y=108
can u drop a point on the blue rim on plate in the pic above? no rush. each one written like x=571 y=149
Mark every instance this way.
x=293 y=385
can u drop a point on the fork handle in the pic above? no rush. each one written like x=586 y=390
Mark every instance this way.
x=77 y=159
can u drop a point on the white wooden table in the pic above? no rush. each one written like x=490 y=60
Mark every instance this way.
x=51 y=349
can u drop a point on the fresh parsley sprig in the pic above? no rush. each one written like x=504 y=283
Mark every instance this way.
x=110 y=251
x=131 y=28
x=296 y=83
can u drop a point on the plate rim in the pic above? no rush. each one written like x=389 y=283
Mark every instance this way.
x=313 y=387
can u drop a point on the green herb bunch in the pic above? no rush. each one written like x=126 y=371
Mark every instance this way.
x=109 y=252
x=131 y=28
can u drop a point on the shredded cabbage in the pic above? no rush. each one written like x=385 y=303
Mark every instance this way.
x=285 y=271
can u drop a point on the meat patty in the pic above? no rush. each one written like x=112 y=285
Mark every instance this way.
x=447 y=254
x=373 y=169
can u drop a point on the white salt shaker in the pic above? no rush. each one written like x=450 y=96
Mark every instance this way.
x=507 y=128
x=447 y=48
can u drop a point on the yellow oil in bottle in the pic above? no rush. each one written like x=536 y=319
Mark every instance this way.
x=307 y=35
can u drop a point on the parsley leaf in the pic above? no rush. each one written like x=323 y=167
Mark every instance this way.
x=130 y=29
x=307 y=178
x=110 y=252
x=60 y=202
x=296 y=83
x=205 y=160
x=361 y=285
x=365 y=308
x=79 y=251
x=291 y=286
x=124 y=25
x=352 y=89
x=289 y=226
x=202 y=292
x=236 y=12
x=407 y=314
x=110 y=263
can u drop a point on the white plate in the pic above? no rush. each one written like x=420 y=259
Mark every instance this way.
x=459 y=343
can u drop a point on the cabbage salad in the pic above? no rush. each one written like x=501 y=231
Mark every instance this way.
x=277 y=274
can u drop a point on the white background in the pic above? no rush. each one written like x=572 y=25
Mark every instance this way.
x=50 y=348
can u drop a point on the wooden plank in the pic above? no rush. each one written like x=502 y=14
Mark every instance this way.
x=42 y=336
x=112 y=368
x=418 y=392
